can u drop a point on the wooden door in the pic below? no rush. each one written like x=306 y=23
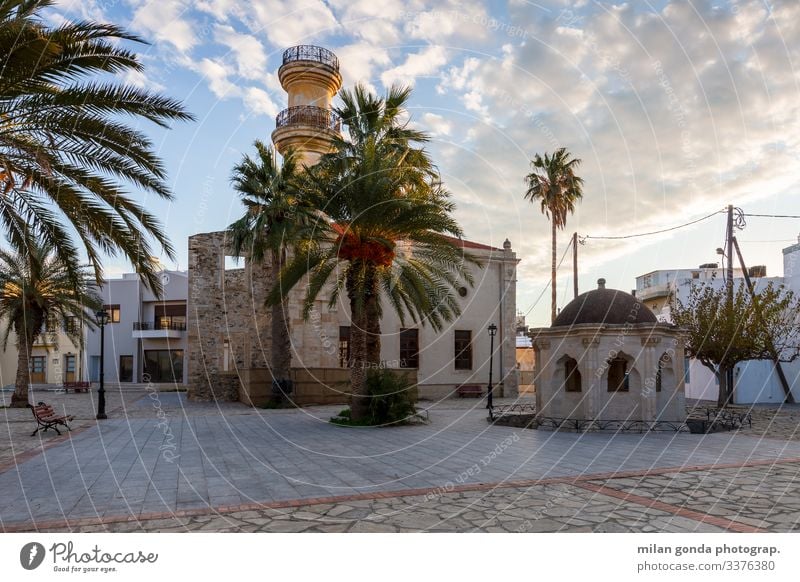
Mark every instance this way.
x=38 y=369
x=69 y=368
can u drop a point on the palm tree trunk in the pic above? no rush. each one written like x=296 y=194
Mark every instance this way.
x=19 y=399
x=359 y=403
x=373 y=320
x=553 y=275
x=281 y=350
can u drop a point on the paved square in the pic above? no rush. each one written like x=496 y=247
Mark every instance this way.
x=164 y=457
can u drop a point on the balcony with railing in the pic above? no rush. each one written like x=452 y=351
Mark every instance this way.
x=307 y=52
x=165 y=328
x=316 y=117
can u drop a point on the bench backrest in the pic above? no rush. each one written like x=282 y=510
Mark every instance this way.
x=42 y=410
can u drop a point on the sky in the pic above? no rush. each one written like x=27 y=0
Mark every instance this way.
x=675 y=108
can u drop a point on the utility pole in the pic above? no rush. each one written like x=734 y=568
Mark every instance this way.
x=729 y=285
x=575 y=263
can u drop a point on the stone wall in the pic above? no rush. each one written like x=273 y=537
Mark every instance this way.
x=311 y=386
x=224 y=306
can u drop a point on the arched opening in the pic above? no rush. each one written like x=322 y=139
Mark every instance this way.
x=572 y=376
x=618 y=375
x=666 y=395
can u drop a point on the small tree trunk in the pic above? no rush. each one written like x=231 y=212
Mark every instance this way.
x=725 y=395
x=20 y=397
x=553 y=297
x=281 y=350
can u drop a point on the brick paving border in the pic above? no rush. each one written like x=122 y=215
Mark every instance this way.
x=582 y=481
x=728 y=524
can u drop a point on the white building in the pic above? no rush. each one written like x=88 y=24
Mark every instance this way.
x=754 y=381
x=145 y=339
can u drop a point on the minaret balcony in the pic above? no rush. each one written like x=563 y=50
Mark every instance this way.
x=309 y=115
x=307 y=52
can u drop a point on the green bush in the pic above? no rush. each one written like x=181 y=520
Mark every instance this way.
x=393 y=400
x=392 y=397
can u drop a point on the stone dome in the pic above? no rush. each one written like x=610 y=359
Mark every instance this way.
x=605 y=306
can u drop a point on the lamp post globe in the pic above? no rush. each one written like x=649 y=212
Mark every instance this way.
x=102 y=320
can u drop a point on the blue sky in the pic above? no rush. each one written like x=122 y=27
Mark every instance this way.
x=675 y=108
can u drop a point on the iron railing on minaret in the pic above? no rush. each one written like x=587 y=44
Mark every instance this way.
x=307 y=52
x=309 y=115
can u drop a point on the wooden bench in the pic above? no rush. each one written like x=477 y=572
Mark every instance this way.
x=76 y=386
x=46 y=418
x=470 y=390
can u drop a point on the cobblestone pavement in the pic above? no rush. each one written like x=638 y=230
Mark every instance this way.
x=239 y=469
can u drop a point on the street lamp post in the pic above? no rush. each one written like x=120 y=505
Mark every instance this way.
x=102 y=320
x=492 y=332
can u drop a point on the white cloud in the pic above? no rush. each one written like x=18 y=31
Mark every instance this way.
x=436 y=124
x=290 y=23
x=426 y=62
x=358 y=62
x=251 y=60
x=216 y=74
x=259 y=102
x=166 y=21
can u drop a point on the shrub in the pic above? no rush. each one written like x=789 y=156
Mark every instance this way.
x=392 y=397
x=392 y=400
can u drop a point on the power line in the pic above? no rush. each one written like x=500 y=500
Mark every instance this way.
x=773 y=215
x=655 y=231
x=546 y=287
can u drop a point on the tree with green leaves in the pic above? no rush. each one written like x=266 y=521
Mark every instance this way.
x=384 y=229
x=265 y=232
x=66 y=147
x=555 y=186
x=721 y=333
x=37 y=290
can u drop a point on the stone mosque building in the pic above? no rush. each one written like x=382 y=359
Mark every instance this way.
x=228 y=325
x=607 y=358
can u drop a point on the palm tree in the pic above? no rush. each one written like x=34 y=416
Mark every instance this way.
x=384 y=230
x=555 y=186
x=37 y=290
x=65 y=149
x=266 y=229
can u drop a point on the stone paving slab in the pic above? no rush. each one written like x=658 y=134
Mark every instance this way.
x=137 y=466
x=543 y=508
x=766 y=497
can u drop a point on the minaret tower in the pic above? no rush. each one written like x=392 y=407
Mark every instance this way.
x=310 y=75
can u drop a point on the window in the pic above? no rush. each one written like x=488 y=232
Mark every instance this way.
x=409 y=348
x=226 y=356
x=170 y=317
x=126 y=368
x=344 y=346
x=572 y=377
x=52 y=324
x=618 y=375
x=164 y=365
x=113 y=313
x=686 y=365
x=72 y=324
x=463 y=350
